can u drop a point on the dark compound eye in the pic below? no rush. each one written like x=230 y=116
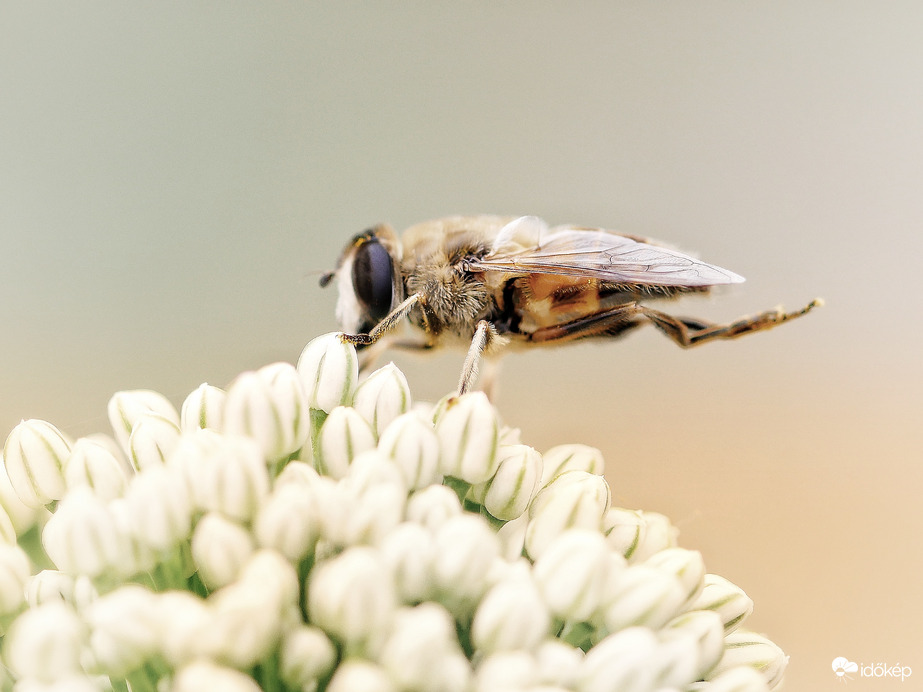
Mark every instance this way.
x=373 y=276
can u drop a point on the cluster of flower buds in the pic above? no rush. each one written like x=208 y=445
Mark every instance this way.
x=303 y=530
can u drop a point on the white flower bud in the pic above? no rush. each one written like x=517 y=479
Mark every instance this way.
x=626 y=660
x=512 y=537
x=203 y=408
x=44 y=643
x=343 y=436
x=82 y=536
x=412 y=443
x=35 y=453
x=305 y=657
x=123 y=629
x=685 y=565
x=623 y=528
x=433 y=506
x=511 y=616
x=382 y=397
x=657 y=533
x=691 y=645
x=22 y=516
x=420 y=641
x=220 y=547
x=7 y=532
x=641 y=595
x=14 y=573
x=296 y=473
x=355 y=674
x=572 y=572
x=407 y=550
x=269 y=405
x=329 y=369
x=137 y=556
x=573 y=457
x=558 y=663
x=183 y=620
x=207 y=675
x=506 y=670
x=465 y=548
x=514 y=484
x=158 y=508
x=742 y=648
x=377 y=495
x=93 y=465
x=126 y=407
x=48 y=585
x=152 y=440
x=468 y=431
x=575 y=499
x=352 y=597
x=288 y=522
x=728 y=600
x=224 y=474
x=739 y=679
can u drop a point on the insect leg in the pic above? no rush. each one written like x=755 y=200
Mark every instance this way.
x=390 y=321
x=611 y=323
x=483 y=335
x=688 y=333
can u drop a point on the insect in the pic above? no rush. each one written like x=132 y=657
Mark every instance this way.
x=488 y=281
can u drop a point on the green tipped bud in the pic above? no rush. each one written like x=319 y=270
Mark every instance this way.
x=203 y=408
x=329 y=369
x=35 y=454
x=468 y=431
x=383 y=397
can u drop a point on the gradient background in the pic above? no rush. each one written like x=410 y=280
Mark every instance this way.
x=173 y=178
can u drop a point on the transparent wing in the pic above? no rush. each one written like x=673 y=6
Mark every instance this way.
x=601 y=255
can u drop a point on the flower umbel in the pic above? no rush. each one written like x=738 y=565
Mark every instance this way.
x=308 y=531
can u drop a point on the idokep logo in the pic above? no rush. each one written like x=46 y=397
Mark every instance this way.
x=843 y=667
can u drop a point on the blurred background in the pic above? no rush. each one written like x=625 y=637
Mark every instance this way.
x=174 y=179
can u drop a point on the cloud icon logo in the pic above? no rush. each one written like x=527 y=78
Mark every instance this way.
x=842 y=666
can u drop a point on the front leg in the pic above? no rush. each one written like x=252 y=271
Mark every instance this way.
x=484 y=335
x=390 y=321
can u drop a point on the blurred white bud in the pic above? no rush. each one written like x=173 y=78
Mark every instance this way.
x=506 y=670
x=623 y=528
x=208 y=675
x=249 y=615
x=22 y=516
x=514 y=484
x=657 y=533
x=742 y=648
x=82 y=536
x=691 y=645
x=511 y=616
x=468 y=431
x=407 y=550
x=625 y=660
x=223 y=473
x=355 y=674
x=93 y=465
x=382 y=397
x=123 y=629
x=306 y=656
x=728 y=600
x=182 y=619
x=465 y=548
x=14 y=574
x=416 y=649
x=152 y=440
x=158 y=508
x=343 y=435
x=558 y=663
x=126 y=407
x=7 y=532
x=739 y=679
x=329 y=369
x=512 y=536
x=377 y=495
x=220 y=547
x=288 y=521
x=203 y=408
x=296 y=473
x=572 y=572
x=686 y=565
x=412 y=443
x=352 y=597
x=433 y=506
x=572 y=457
x=573 y=500
x=48 y=585
x=44 y=643
x=35 y=453
x=137 y=556
x=641 y=595
x=269 y=405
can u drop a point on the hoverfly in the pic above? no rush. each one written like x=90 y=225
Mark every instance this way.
x=488 y=281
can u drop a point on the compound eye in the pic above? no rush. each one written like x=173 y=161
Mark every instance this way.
x=373 y=276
